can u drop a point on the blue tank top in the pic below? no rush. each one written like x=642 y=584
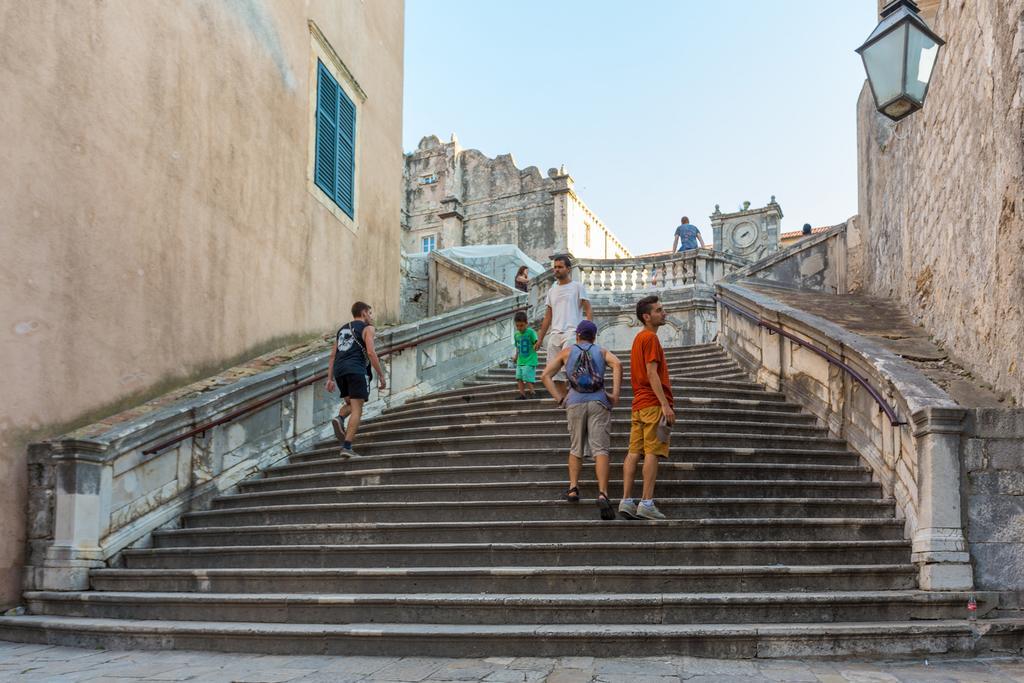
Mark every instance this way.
x=597 y=356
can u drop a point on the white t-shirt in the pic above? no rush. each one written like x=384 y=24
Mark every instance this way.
x=566 y=303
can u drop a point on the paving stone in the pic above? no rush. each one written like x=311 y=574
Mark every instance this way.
x=500 y=661
x=644 y=667
x=273 y=675
x=866 y=676
x=724 y=667
x=507 y=676
x=570 y=676
x=408 y=669
x=635 y=678
x=576 y=662
x=535 y=663
x=789 y=672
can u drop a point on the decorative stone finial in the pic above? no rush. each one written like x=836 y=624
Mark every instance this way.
x=455 y=138
x=746 y=205
x=718 y=210
x=773 y=200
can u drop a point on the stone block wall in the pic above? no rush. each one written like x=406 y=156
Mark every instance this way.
x=941 y=193
x=993 y=464
x=462 y=197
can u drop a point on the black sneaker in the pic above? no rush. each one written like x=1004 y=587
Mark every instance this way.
x=605 y=506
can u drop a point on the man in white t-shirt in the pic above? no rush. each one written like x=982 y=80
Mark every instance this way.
x=567 y=304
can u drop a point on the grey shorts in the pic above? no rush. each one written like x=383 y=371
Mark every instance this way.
x=589 y=428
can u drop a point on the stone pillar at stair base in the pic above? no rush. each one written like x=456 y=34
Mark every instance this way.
x=939 y=544
x=81 y=516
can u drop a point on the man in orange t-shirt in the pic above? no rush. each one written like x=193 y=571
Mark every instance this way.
x=652 y=411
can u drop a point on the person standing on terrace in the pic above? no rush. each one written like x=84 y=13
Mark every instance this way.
x=687 y=236
x=567 y=304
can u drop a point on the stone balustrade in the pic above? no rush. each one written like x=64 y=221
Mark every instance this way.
x=916 y=462
x=100 y=490
x=622 y=280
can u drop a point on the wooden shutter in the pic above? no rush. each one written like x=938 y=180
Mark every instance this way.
x=346 y=153
x=326 y=175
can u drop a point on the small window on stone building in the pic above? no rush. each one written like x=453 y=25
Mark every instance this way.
x=428 y=179
x=429 y=243
x=335 y=168
x=586 y=234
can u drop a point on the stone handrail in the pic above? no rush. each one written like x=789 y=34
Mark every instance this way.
x=637 y=276
x=93 y=496
x=917 y=464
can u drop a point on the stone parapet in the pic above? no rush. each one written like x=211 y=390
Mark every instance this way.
x=915 y=460
x=90 y=498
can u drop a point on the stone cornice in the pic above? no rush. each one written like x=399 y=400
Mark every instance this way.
x=938 y=420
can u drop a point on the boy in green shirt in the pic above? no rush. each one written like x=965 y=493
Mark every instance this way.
x=526 y=356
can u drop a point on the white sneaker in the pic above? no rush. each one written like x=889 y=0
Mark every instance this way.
x=649 y=512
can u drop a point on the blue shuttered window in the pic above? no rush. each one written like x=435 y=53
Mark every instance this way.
x=335 y=167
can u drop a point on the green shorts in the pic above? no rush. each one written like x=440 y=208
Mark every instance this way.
x=526 y=373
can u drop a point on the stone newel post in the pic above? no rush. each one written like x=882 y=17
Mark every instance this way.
x=939 y=546
x=81 y=516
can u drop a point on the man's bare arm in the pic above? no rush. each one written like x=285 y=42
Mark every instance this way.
x=612 y=360
x=659 y=392
x=588 y=310
x=371 y=351
x=554 y=365
x=543 y=328
x=675 y=242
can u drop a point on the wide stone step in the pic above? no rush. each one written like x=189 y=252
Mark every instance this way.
x=498 y=510
x=542 y=403
x=543 y=490
x=503 y=608
x=683 y=388
x=894 y=638
x=524 y=473
x=620 y=423
x=723 y=370
x=712 y=360
x=329 y=460
x=571 y=579
x=518 y=531
x=602 y=553
x=560 y=439
x=551 y=413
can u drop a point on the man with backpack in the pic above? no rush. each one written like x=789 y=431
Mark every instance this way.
x=588 y=407
x=349 y=370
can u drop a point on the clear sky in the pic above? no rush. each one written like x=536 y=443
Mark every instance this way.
x=657 y=108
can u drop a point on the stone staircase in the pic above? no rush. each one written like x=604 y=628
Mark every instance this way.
x=448 y=537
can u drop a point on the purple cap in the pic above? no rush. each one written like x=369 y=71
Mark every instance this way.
x=586 y=328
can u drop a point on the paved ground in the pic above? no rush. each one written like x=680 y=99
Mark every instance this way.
x=50 y=663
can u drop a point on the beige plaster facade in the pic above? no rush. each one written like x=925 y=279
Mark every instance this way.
x=941 y=194
x=157 y=218
x=456 y=197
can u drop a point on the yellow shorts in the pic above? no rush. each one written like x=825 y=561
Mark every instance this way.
x=643 y=433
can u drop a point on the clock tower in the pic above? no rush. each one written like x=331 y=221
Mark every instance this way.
x=748 y=233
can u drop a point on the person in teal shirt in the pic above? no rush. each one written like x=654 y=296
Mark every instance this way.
x=526 y=356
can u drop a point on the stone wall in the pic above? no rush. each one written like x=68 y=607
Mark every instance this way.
x=941 y=194
x=461 y=197
x=993 y=462
x=452 y=285
x=158 y=218
x=817 y=263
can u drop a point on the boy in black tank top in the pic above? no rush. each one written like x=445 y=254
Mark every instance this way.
x=349 y=369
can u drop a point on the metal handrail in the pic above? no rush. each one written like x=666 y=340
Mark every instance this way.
x=886 y=408
x=281 y=393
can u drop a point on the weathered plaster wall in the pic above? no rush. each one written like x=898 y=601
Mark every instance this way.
x=463 y=197
x=156 y=217
x=941 y=194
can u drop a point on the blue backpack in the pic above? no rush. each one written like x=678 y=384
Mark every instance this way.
x=583 y=375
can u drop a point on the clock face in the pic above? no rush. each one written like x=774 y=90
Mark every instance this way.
x=744 y=235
